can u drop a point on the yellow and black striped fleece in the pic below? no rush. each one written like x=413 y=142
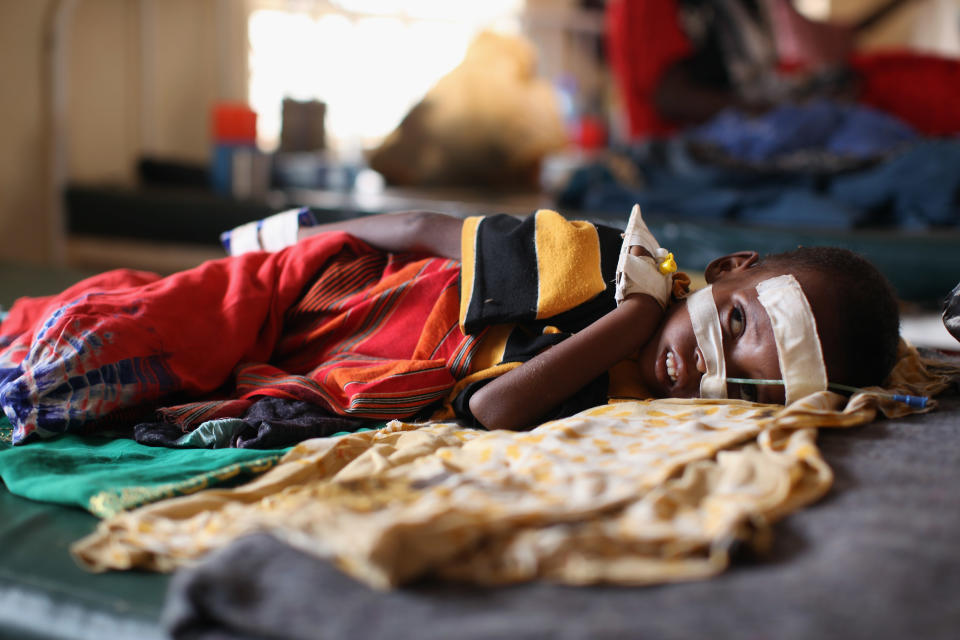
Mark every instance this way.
x=526 y=284
x=537 y=268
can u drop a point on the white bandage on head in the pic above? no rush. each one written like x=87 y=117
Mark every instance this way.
x=641 y=274
x=706 y=328
x=795 y=332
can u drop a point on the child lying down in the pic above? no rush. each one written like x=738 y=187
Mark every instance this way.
x=501 y=322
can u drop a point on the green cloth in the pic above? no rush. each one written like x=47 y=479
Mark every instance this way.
x=108 y=475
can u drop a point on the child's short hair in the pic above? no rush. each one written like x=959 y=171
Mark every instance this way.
x=865 y=307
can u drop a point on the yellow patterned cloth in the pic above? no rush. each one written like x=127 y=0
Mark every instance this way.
x=630 y=493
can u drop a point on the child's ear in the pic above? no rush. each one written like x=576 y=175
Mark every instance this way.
x=734 y=262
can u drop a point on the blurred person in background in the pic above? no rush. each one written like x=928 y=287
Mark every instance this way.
x=679 y=62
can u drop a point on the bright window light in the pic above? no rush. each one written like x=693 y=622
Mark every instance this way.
x=814 y=9
x=368 y=60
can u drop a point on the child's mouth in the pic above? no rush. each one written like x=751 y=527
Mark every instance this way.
x=671 y=366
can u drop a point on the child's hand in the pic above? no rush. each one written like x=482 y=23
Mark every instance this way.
x=644 y=266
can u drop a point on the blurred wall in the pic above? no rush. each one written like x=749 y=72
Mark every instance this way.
x=141 y=76
x=23 y=229
x=897 y=29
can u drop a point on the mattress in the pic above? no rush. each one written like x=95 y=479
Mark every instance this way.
x=876 y=559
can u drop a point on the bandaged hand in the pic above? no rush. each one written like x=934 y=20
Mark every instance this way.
x=650 y=274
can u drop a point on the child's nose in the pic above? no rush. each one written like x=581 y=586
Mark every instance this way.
x=701 y=363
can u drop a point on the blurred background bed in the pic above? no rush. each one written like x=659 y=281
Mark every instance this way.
x=136 y=132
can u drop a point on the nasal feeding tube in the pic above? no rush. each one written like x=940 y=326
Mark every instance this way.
x=915 y=402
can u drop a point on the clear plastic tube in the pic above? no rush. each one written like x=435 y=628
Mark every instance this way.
x=916 y=402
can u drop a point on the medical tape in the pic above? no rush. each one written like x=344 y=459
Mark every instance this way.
x=245 y=238
x=706 y=328
x=280 y=230
x=642 y=274
x=795 y=332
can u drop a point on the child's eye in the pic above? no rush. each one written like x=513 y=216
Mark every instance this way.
x=737 y=322
x=748 y=392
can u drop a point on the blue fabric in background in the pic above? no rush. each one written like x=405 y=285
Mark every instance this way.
x=680 y=188
x=837 y=128
x=918 y=189
x=913 y=185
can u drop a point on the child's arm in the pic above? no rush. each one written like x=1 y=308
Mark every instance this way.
x=521 y=397
x=416 y=231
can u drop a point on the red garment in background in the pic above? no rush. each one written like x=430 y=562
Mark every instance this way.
x=922 y=90
x=644 y=38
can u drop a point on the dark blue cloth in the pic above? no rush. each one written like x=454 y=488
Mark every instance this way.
x=271 y=423
x=846 y=130
x=917 y=188
x=675 y=184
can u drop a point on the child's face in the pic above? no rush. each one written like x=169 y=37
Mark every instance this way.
x=748 y=343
